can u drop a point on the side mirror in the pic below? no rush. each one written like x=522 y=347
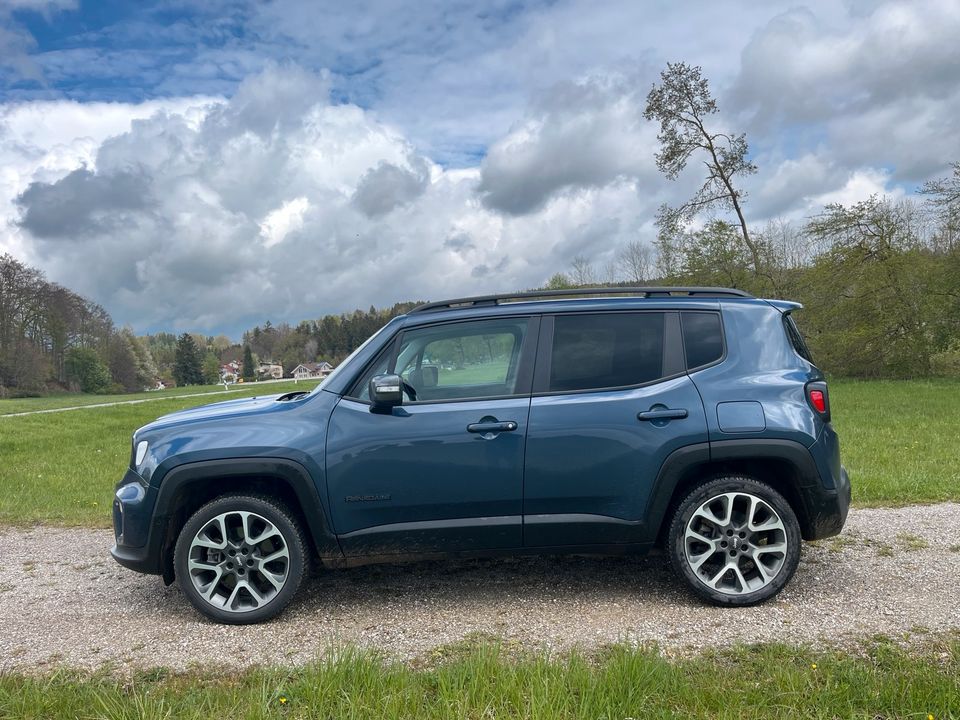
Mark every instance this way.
x=386 y=391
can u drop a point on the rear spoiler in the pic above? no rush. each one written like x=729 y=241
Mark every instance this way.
x=784 y=306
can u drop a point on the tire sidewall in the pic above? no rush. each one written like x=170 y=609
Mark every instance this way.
x=276 y=515
x=734 y=484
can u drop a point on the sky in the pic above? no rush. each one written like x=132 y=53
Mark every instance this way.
x=208 y=165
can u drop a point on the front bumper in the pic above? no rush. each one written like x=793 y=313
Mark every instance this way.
x=133 y=504
x=139 y=559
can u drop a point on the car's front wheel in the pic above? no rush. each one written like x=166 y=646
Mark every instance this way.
x=735 y=541
x=240 y=559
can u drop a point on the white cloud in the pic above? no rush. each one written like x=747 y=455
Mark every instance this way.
x=876 y=89
x=494 y=146
x=44 y=141
x=581 y=134
x=285 y=219
x=859 y=186
x=279 y=204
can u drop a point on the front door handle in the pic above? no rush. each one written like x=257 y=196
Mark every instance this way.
x=484 y=426
x=664 y=414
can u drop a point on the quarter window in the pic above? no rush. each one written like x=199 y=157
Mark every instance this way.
x=796 y=339
x=702 y=338
x=598 y=351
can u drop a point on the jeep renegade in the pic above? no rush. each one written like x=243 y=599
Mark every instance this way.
x=604 y=420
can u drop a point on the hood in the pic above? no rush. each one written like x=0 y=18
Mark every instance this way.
x=216 y=411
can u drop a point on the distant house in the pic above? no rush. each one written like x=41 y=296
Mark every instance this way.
x=305 y=371
x=270 y=370
x=230 y=372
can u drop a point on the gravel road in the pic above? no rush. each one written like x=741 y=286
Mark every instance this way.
x=64 y=602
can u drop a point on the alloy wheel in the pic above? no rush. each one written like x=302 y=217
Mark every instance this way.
x=735 y=543
x=238 y=561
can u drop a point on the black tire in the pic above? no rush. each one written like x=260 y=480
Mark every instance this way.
x=745 y=552
x=266 y=512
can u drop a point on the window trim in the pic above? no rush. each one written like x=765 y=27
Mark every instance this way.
x=525 y=360
x=723 y=342
x=673 y=356
x=795 y=338
x=355 y=387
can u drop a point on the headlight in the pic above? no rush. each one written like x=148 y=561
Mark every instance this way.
x=141 y=453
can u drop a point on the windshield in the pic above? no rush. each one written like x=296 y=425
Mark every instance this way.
x=347 y=360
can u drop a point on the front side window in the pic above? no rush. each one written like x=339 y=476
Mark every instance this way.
x=609 y=350
x=461 y=360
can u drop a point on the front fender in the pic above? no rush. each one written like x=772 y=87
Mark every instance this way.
x=149 y=526
x=184 y=475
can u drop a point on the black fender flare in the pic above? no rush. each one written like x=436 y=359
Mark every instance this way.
x=685 y=466
x=294 y=475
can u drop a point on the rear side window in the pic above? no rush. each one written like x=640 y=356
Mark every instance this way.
x=796 y=339
x=702 y=338
x=598 y=351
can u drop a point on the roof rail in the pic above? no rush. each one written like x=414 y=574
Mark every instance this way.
x=481 y=300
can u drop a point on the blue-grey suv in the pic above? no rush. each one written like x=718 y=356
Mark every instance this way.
x=588 y=421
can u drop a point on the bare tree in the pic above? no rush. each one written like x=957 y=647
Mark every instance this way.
x=786 y=246
x=944 y=191
x=681 y=104
x=581 y=271
x=943 y=197
x=636 y=261
x=610 y=272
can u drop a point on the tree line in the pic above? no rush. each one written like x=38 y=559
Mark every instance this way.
x=879 y=281
x=50 y=336
x=52 y=339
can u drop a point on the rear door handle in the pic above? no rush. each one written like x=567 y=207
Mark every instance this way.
x=492 y=427
x=665 y=414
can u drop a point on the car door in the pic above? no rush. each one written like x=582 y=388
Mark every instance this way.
x=444 y=470
x=611 y=401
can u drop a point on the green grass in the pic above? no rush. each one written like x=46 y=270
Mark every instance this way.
x=482 y=374
x=61 y=467
x=900 y=441
x=484 y=681
x=63 y=400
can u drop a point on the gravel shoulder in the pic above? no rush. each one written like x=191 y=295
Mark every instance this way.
x=64 y=602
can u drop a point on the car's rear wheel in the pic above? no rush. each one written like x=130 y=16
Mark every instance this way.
x=240 y=559
x=735 y=541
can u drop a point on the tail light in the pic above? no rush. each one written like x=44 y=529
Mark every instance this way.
x=819 y=399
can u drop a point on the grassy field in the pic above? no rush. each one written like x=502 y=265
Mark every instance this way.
x=900 y=441
x=61 y=467
x=63 y=400
x=485 y=682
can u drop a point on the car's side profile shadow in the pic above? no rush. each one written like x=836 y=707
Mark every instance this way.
x=462 y=582
x=527 y=583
